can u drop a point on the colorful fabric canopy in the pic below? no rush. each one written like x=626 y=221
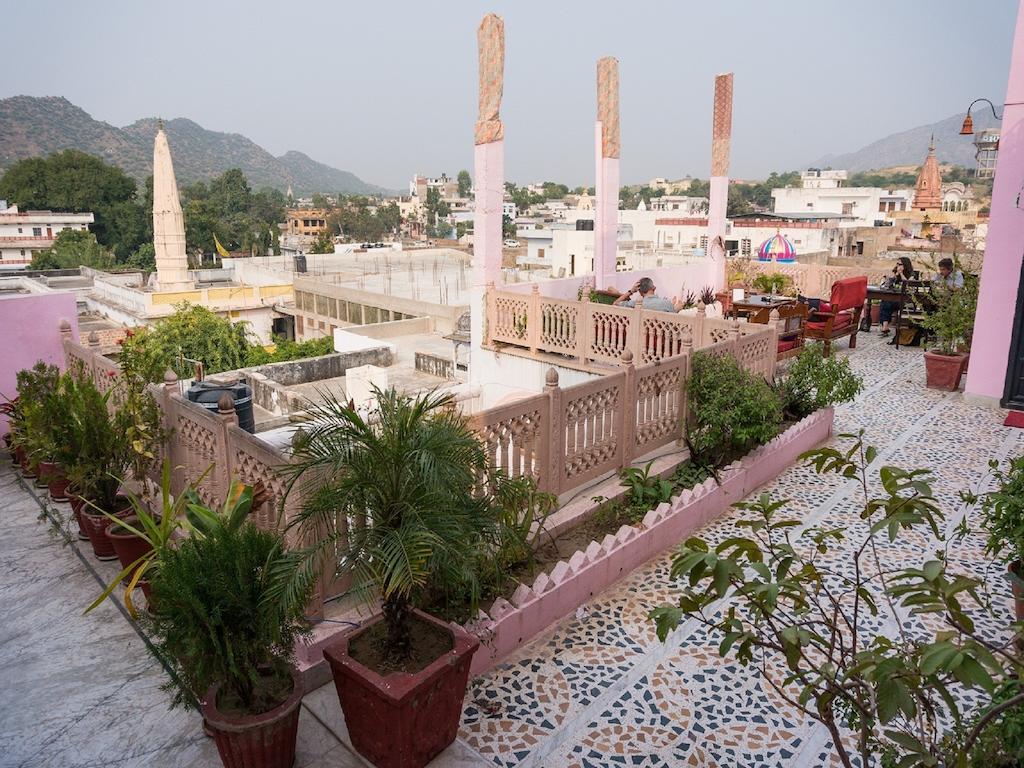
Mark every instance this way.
x=777 y=248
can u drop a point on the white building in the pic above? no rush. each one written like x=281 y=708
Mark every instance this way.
x=24 y=233
x=682 y=205
x=815 y=178
x=865 y=205
x=509 y=209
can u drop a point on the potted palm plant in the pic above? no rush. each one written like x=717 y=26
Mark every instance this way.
x=951 y=319
x=215 y=621
x=396 y=498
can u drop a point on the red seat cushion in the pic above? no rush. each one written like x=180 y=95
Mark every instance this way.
x=824 y=306
x=787 y=344
x=841 y=320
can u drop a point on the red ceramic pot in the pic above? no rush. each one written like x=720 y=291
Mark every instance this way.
x=28 y=467
x=256 y=741
x=47 y=469
x=1018 y=589
x=95 y=525
x=403 y=720
x=127 y=545
x=944 y=371
x=77 y=502
x=59 y=486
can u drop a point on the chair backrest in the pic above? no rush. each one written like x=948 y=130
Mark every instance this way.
x=849 y=293
x=792 y=317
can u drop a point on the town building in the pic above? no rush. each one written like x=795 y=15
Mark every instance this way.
x=22 y=233
x=306 y=221
x=821 y=192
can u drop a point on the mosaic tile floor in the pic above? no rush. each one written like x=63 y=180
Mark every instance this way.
x=601 y=690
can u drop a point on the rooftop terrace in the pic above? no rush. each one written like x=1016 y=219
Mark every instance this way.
x=596 y=689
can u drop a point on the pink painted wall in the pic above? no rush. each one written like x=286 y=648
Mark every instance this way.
x=606 y=211
x=717 y=205
x=31 y=332
x=1000 y=273
x=489 y=167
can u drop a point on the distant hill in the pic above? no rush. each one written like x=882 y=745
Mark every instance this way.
x=910 y=147
x=31 y=126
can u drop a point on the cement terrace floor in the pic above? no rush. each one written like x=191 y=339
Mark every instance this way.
x=597 y=689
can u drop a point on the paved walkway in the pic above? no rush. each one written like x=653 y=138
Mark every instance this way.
x=603 y=691
x=600 y=691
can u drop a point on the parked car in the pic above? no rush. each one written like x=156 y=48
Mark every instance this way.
x=511 y=243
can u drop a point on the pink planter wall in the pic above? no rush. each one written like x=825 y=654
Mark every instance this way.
x=31 y=332
x=568 y=585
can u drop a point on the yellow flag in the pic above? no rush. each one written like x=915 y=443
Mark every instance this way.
x=221 y=249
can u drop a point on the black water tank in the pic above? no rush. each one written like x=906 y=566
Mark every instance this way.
x=300 y=262
x=207 y=393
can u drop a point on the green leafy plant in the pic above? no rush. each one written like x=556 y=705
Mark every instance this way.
x=730 y=410
x=216 y=619
x=1003 y=511
x=949 y=313
x=774 y=282
x=157 y=529
x=792 y=606
x=1000 y=742
x=815 y=381
x=31 y=428
x=645 y=490
x=396 y=498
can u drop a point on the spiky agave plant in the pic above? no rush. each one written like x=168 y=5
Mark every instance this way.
x=394 y=498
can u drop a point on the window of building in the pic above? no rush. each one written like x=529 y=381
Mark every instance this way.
x=810 y=205
x=19 y=230
x=881 y=206
x=745 y=246
x=860 y=247
x=847 y=208
x=903 y=205
x=22 y=251
x=37 y=231
x=704 y=242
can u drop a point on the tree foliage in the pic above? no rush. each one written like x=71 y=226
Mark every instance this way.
x=465 y=183
x=360 y=219
x=228 y=209
x=73 y=248
x=77 y=182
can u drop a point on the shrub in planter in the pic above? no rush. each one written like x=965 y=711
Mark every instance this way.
x=730 y=410
x=815 y=381
x=951 y=319
x=29 y=420
x=407 y=487
x=774 y=282
x=1003 y=519
x=103 y=458
x=224 y=634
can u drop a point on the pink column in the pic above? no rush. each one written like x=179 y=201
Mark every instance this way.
x=606 y=150
x=721 y=137
x=489 y=168
x=1000 y=273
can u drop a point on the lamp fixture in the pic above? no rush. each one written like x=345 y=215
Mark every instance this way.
x=968 y=127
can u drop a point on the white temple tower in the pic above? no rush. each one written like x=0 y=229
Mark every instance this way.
x=168 y=221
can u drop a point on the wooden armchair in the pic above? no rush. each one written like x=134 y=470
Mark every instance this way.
x=792 y=327
x=840 y=316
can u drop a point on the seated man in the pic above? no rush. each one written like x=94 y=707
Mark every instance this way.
x=952 y=279
x=645 y=287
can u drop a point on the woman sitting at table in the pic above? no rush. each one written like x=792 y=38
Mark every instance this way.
x=904 y=270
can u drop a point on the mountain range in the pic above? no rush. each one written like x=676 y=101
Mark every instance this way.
x=31 y=126
x=910 y=147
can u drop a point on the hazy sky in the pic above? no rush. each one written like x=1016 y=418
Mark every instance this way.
x=388 y=89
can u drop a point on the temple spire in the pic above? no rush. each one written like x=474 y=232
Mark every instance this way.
x=168 y=221
x=928 y=190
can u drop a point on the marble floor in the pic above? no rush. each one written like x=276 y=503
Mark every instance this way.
x=597 y=689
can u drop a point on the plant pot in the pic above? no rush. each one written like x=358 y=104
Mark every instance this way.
x=58 y=486
x=127 y=545
x=77 y=502
x=943 y=371
x=403 y=720
x=95 y=525
x=256 y=741
x=1018 y=589
x=47 y=469
x=876 y=313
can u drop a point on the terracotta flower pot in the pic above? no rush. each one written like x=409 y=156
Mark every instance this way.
x=127 y=545
x=403 y=720
x=58 y=486
x=256 y=741
x=96 y=527
x=77 y=502
x=1018 y=589
x=29 y=469
x=47 y=469
x=943 y=371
